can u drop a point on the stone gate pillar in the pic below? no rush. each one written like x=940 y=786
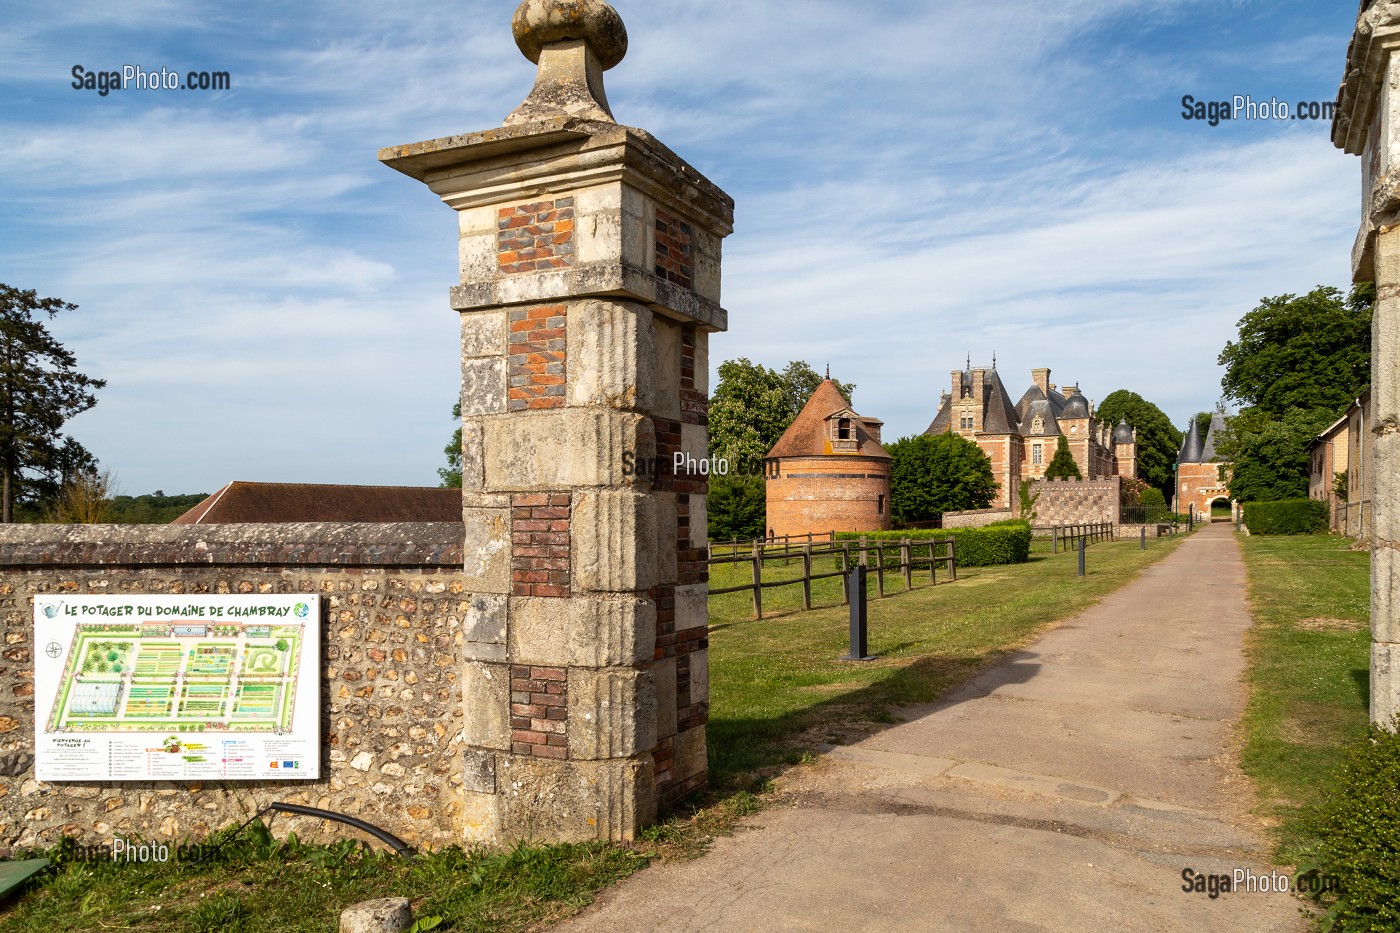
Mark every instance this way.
x=1367 y=123
x=590 y=281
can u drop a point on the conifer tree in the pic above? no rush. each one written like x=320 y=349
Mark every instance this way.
x=1063 y=465
x=40 y=389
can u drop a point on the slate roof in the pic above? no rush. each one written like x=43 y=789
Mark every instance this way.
x=240 y=502
x=1217 y=424
x=1191 y=445
x=807 y=436
x=1123 y=434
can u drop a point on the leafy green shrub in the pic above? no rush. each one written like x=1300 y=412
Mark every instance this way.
x=1359 y=825
x=1154 y=506
x=1006 y=542
x=1286 y=517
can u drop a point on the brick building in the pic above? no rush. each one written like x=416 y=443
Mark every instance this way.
x=1201 y=476
x=1020 y=439
x=828 y=471
x=1344 y=448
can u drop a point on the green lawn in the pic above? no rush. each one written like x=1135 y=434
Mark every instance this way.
x=1309 y=673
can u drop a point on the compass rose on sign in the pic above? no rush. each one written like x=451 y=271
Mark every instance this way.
x=53 y=649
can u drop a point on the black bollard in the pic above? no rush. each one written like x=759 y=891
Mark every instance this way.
x=1081 y=557
x=856 y=592
x=1142 y=544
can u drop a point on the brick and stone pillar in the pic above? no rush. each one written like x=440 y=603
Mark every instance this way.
x=1367 y=123
x=590 y=281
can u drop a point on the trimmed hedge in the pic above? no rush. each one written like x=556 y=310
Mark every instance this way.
x=1007 y=542
x=1286 y=517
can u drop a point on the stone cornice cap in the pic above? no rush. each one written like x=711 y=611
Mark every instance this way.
x=573 y=42
x=1377 y=33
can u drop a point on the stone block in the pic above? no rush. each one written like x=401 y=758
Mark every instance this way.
x=477 y=256
x=575 y=801
x=539 y=630
x=560 y=449
x=664 y=677
x=1385 y=482
x=1385 y=683
x=585 y=631
x=476 y=220
x=486 y=550
x=483 y=386
x=473 y=457
x=611 y=632
x=485 y=620
x=481 y=817
x=690 y=754
x=667 y=570
x=612 y=713
x=485 y=704
x=667 y=340
x=1385 y=595
x=612 y=356
x=483 y=334
x=700 y=676
x=702 y=360
x=699 y=521
x=695 y=440
x=478 y=771
x=598 y=236
x=614 y=540
x=382 y=915
x=705 y=267
x=692 y=606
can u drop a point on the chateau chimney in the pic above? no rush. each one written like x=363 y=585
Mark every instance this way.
x=979 y=381
x=1041 y=377
x=957 y=383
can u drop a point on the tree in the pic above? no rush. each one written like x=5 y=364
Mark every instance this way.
x=85 y=499
x=753 y=405
x=1309 y=352
x=935 y=473
x=1062 y=465
x=1298 y=363
x=737 y=508
x=1158 y=440
x=451 y=475
x=40 y=389
x=1270 y=455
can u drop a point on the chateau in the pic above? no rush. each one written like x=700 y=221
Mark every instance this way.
x=828 y=471
x=1020 y=439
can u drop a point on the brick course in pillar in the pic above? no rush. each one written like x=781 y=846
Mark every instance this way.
x=539 y=544
x=695 y=405
x=538 y=356
x=539 y=711
x=673 y=252
x=535 y=237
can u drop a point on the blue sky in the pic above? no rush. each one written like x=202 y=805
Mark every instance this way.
x=914 y=182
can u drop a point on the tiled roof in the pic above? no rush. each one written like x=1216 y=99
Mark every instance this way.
x=807 y=436
x=241 y=502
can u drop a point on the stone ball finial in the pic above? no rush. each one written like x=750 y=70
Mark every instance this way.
x=538 y=23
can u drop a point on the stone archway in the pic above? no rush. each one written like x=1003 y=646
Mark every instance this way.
x=1210 y=507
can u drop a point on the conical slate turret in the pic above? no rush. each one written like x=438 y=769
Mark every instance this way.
x=1191 y=447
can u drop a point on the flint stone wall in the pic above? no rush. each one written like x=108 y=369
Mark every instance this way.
x=391 y=705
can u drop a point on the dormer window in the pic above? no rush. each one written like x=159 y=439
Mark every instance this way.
x=1038 y=426
x=843 y=429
